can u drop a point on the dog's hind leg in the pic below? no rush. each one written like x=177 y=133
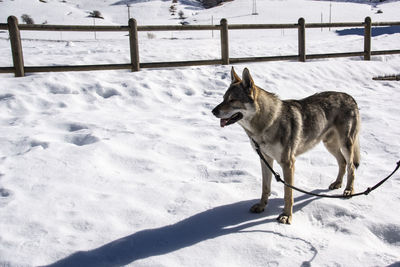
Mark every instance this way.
x=266 y=186
x=333 y=146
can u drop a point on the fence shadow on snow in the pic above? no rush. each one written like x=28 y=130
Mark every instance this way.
x=375 y=31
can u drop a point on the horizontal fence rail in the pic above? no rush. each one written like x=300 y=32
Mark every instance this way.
x=19 y=69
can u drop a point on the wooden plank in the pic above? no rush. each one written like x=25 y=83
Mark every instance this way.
x=385 y=52
x=335 y=25
x=77 y=68
x=180 y=63
x=335 y=55
x=121 y=66
x=47 y=27
x=261 y=26
x=16 y=46
x=387 y=23
x=188 y=63
x=262 y=59
x=3 y=26
x=149 y=28
x=7 y=70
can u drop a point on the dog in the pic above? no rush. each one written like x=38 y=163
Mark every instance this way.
x=285 y=129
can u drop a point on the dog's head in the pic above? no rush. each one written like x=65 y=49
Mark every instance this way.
x=238 y=100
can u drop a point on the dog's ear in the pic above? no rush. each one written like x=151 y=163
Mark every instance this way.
x=234 y=77
x=247 y=80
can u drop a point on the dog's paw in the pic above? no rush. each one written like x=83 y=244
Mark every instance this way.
x=348 y=192
x=257 y=208
x=335 y=185
x=285 y=219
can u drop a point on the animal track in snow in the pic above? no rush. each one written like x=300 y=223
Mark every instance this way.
x=6 y=97
x=334 y=217
x=5 y=196
x=190 y=92
x=82 y=139
x=59 y=90
x=229 y=176
x=230 y=173
x=107 y=93
x=389 y=233
x=82 y=226
x=4 y=192
x=74 y=127
x=35 y=143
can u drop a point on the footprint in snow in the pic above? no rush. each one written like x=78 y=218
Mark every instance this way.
x=6 y=97
x=80 y=135
x=5 y=196
x=388 y=233
x=82 y=139
x=35 y=143
x=189 y=92
x=82 y=226
x=107 y=93
x=74 y=127
x=59 y=90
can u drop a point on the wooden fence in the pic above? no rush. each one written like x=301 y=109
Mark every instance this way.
x=19 y=69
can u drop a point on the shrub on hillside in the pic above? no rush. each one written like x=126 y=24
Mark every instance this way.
x=96 y=14
x=181 y=15
x=27 y=19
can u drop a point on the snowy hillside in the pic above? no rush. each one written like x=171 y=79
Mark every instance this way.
x=114 y=168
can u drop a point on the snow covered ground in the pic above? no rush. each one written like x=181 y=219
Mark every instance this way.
x=114 y=168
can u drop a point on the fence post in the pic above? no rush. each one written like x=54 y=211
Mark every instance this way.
x=367 y=38
x=16 y=46
x=224 y=42
x=134 y=44
x=302 y=40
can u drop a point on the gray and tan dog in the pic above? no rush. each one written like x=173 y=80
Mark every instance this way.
x=285 y=129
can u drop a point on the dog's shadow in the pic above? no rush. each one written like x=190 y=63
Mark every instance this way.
x=219 y=221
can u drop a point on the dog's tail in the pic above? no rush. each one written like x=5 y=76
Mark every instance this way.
x=356 y=152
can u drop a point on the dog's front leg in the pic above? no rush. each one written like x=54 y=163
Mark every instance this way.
x=288 y=174
x=266 y=186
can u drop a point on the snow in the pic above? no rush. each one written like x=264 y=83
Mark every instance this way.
x=113 y=168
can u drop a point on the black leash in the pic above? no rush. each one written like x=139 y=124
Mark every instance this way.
x=279 y=179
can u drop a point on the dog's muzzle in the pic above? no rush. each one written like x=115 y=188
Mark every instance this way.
x=231 y=120
x=227 y=121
